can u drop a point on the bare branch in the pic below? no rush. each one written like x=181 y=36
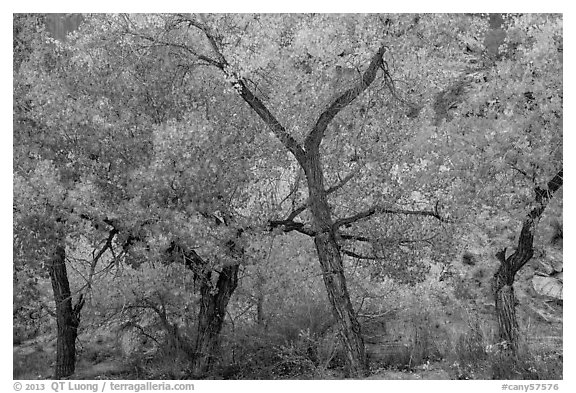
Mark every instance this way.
x=521 y=172
x=178 y=46
x=330 y=190
x=314 y=138
x=374 y=210
x=343 y=182
x=294 y=188
x=141 y=329
x=358 y=256
x=107 y=246
x=289 y=226
x=296 y=212
x=365 y=239
x=211 y=36
x=372 y=316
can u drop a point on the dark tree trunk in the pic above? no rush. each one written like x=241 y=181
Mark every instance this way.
x=503 y=284
x=260 y=314
x=333 y=271
x=67 y=316
x=335 y=282
x=261 y=319
x=213 y=304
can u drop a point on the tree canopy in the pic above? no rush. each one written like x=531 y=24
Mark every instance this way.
x=190 y=142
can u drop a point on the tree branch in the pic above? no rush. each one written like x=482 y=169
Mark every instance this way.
x=381 y=210
x=543 y=196
x=330 y=190
x=209 y=35
x=343 y=182
x=314 y=138
x=289 y=226
x=358 y=238
x=296 y=212
x=107 y=246
x=358 y=256
x=254 y=102
x=179 y=46
x=525 y=248
x=278 y=129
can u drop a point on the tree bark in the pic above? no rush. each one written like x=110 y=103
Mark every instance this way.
x=508 y=329
x=67 y=316
x=333 y=270
x=503 y=284
x=213 y=304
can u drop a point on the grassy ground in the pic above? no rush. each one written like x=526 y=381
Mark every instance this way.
x=540 y=359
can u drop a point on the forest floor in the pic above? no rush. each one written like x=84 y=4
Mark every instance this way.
x=34 y=360
x=97 y=359
x=100 y=357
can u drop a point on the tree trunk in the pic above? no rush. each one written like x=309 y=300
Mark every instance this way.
x=67 y=316
x=335 y=282
x=309 y=158
x=333 y=271
x=508 y=329
x=260 y=315
x=503 y=284
x=213 y=303
x=259 y=286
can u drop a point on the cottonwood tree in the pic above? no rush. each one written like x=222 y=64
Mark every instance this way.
x=40 y=225
x=70 y=166
x=323 y=86
x=158 y=173
x=530 y=76
x=496 y=135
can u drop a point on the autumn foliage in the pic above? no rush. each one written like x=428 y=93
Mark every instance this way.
x=288 y=196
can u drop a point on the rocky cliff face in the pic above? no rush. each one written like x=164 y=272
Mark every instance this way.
x=59 y=25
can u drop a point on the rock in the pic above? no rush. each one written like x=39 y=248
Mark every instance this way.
x=548 y=286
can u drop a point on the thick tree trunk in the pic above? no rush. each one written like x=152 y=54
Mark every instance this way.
x=213 y=303
x=333 y=271
x=503 y=284
x=67 y=316
x=508 y=329
x=335 y=282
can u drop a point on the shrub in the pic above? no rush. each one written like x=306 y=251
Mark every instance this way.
x=524 y=365
x=470 y=347
x=34 y=363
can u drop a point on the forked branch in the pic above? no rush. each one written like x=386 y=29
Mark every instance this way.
x=314 y=138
